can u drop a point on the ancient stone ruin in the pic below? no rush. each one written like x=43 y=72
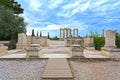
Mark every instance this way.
x=110 y=48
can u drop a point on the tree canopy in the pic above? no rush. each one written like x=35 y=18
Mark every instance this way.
x=10 y=22
x=12 y=5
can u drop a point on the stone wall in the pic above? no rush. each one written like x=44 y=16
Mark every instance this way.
x=4 y=42
x=71 y=41
x=88 y=41
x=37 y=40
x=53 y=42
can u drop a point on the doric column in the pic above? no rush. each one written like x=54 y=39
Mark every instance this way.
x=73 y=32
x=60 y=33
x=70 y=33
x=77 y=33
x=66 y=33
x=63 y=33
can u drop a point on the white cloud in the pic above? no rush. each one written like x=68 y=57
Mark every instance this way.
x=55 y=3
x=117 y=4
x=73 y=8
x=51 y=27
x=99 y=2
x=35 y=4
x=85 y=6
x=76 y=24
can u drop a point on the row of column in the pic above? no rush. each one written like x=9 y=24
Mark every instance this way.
x=67 y=32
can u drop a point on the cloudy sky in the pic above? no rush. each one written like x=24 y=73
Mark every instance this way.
x=86 y=15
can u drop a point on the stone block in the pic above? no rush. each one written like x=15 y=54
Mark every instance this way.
x=76 y=50
x=111 y=52
x=110 y=38
x=34 y=50
x=22 y=41
x=90 y=48
x=3 y=50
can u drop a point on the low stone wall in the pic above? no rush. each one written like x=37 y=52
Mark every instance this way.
x=4 y=42
x=53 y=42
x=37 y=40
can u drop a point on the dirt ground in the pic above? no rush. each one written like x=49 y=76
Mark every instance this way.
x=107 y=70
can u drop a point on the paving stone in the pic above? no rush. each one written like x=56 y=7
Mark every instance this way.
x=57 y=69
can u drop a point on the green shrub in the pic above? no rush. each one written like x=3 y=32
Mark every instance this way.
x=98 y=40
x=118 y=40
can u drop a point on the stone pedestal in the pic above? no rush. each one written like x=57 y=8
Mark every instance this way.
x=110 y=49
x=22 y=41
x=110 y=39
x=111 y=52
x=34 y=51
x=89 y=43
x=3 y=50
x=76 y=51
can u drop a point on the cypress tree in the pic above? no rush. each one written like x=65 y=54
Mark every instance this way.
x=32 y=32
x=48 y=35
x=37 y=33
x=40 y=34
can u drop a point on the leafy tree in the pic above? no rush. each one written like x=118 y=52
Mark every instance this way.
x=98 y=40
x=10 y=25
x=12 y=5
x=118 y=40
x=55 y=38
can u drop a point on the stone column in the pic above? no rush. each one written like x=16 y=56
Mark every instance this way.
x=63 y=33
x=77 y=33
x=66 y=33
x=70 y=33
x=73 y=32
x=110 y=39
x=60 y=33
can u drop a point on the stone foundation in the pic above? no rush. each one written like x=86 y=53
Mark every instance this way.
x=90 y=48
x=111 y=52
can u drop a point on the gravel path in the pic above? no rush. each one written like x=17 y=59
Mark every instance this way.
x=21 y=69
x=96 y=70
